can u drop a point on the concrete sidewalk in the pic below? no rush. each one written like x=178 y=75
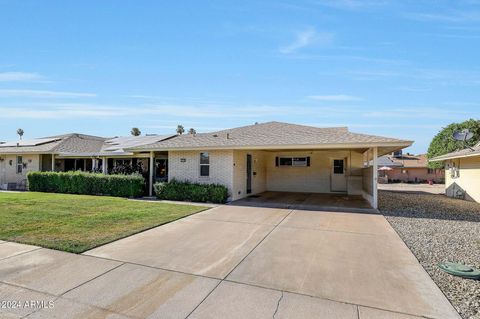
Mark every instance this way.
x=231 y=262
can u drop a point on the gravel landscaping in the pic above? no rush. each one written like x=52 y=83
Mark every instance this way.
x=436 y=229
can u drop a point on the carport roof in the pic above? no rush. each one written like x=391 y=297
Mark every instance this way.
x=276 y=135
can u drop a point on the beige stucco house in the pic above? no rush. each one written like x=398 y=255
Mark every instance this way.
x=248 y=160
x=462 y=173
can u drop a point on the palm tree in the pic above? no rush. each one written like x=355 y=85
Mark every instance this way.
x=20 y=132
x=180 y=130
x=135 y=131
x=192 y=131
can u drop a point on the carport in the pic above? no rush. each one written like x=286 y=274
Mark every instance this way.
x=329 y=177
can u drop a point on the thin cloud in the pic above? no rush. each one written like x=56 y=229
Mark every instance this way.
x=180 y=111
x=450 y=17
x=20 y=77
x=42 y=94
x=307 y=38
x=335 y=98
x=417 y=113
x=351 y=4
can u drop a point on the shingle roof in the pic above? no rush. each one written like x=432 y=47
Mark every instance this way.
x=271 y=134
x=34 y=146
x=70 y=145
x=467 y=152
x=67 y=143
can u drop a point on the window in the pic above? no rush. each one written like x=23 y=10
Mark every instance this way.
x=430 y=171
x=293 y=161
x=286 y=161
x=19 y=164
x=338 y=167
x=204 y=164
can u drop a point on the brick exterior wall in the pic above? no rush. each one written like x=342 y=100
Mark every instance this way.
x=185 y=166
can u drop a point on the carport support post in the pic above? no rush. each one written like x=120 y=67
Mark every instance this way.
x=375 y=177
x=53 y=162
x=150 y=179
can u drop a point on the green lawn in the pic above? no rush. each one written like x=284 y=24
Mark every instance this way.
x=76 y=223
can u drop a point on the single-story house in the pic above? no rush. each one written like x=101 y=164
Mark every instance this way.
x=462 y=173
x=248 y=160
x=407 y=168
x=71 y=152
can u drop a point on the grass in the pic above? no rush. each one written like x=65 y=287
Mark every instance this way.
x=76 y=223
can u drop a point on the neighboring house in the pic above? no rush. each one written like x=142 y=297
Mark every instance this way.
x=462 y=173
x=253 y=159
x=69 y=152
x=408 y=168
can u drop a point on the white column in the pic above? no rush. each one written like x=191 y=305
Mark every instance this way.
x=104 y=165
x=94 y=164
x=150 y=180
x=375 y=177
x=53 y=162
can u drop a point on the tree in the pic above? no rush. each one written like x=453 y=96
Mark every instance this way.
x=444 y=143
x=180 y=130
x=136 y=131
x=192 y=131
x=20 y=133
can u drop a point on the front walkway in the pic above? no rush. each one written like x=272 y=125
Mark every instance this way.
x=232 y=262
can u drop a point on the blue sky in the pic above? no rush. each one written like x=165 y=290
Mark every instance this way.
x=394 y=68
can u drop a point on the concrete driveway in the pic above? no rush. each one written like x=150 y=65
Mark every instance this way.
x=231 y=262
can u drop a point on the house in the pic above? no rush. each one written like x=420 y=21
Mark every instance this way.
x=248 y=160
x=407 y=168
x=69 y=152
x=278 y=156
x=462 y=173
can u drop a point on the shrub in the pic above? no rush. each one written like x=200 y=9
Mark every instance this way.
x=194 y=192
x=86 y=183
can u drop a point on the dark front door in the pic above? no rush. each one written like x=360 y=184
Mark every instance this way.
x=161 y=169
x=249 y=174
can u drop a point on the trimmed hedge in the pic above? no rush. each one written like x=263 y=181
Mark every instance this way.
x=193 y=192
x=86 y=183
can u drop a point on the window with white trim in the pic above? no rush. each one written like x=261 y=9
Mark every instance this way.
x=204 y=164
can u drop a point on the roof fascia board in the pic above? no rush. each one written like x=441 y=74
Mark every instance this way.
x=280 y=147
x=441 y=158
